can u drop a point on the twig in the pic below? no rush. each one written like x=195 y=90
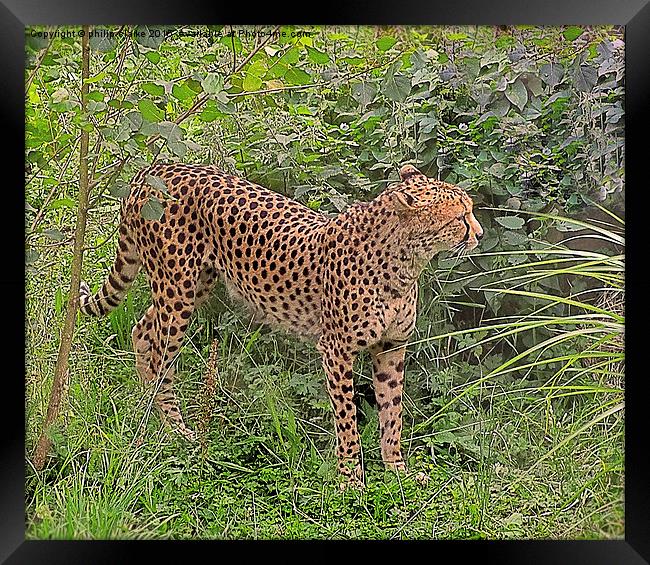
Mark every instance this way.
x=38 y=66
x=109 y=238
x=52 y=158
x=234 y=51
x=50 y=196
x=111 y=174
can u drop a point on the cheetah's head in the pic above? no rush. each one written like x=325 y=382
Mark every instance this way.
x=437 y=216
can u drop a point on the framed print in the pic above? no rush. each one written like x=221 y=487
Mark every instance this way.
x=354 y=278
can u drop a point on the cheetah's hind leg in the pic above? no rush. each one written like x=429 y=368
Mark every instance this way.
x=155 y=352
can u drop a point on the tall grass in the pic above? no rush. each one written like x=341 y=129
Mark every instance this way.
x=565 y=345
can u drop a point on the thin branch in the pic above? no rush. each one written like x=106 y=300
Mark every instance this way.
x=52 y=158
x=113 y=171
x=234 y=51
x=107 y=240
x=50 y=196
x=32 y=75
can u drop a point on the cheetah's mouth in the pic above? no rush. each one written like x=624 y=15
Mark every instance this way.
x=464 y=244
x=465 y=240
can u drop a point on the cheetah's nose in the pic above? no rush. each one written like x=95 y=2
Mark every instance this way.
x=479 y=235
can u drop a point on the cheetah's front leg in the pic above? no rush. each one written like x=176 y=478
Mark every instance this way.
x=338 y=362
x=388 y=381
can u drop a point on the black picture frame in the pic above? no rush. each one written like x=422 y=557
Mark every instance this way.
x=15 y=15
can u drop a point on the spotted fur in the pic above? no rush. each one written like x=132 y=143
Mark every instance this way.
x=347 y=282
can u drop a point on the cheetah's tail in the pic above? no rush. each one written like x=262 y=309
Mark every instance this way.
x=125 y=268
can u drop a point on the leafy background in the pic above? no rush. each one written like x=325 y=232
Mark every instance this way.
x=514 y=401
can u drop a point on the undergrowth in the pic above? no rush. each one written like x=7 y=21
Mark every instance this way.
x=516 y=446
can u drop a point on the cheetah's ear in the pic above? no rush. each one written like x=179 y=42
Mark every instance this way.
x=402 y=201
x=408 y=171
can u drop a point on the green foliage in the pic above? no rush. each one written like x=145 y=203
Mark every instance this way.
x=515 y=375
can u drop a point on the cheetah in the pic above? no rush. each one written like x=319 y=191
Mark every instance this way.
x=347 y=282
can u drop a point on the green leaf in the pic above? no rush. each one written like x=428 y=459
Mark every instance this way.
x=95 y=107
x=290 y=57
x=490 y=57
x=364 y=92
x=277 y=70
x=354 y=61
x=510 y=222
x=232 y=42
x=517 y=259
x=153 y=89
x=36 y=157
x=170 y=131
x=97 y=78
x=58 y=301
x=297 y=77
x=134 y=120
x=251 y=83
x=150 y=111
x=514 y=238
x=36 y=42
x=115 y=103
x=65 y=106
x=257 y=68
x=54 y=234
x=149 y=36
x=533 y=84
x=317 y=57
x=31 y=256
x=101 y=40
x=66 y=202
x=585 y=77
x=120 y=189
x=149 y=128
x=395 y=87
x=178 y=148
x=486 y=116
x=471 y=67
x=517 y=94
x=212 y=83
x=182 y=92
x=157 y=183
x=194 y=84
x=385 y=43
x=59 y=95
x=497 y=170
x=572 y=33
x=153 y=209
x=210 y=112
x=500 y=106
x=551 y=73
x=533 y=110
x=153 y=56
